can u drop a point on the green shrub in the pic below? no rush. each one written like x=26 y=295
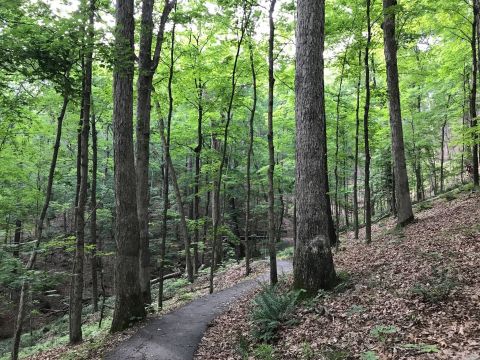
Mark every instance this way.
x=272 y=308
x=369 y=355
x=264 y=352
x=420 y=348
x=435 y=288
x=286 y=253
x=449 y=196
x=424 y=205
x=307 y=351
x=381 y=332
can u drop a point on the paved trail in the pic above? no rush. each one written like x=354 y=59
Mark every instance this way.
x=176 y=335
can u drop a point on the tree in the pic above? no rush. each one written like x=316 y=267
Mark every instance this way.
x=402 y=192
x=129 y=304
x=76 y=287
x=271 y=151
x=314 y=267
x=368 y=204
x=147 y=67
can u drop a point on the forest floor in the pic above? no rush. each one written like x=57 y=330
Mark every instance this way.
x=413 y=293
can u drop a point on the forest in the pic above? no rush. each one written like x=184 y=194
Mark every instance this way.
x=286 y=179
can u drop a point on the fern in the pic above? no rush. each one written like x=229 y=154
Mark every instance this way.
x=272 y=308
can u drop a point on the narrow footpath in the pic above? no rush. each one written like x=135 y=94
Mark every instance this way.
x=176 y=335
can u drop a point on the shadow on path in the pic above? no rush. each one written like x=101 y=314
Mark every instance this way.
x=176 y=335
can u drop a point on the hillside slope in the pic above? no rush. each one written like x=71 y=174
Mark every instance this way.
x=412 y=293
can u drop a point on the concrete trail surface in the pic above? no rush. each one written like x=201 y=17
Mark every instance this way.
x=176 y=335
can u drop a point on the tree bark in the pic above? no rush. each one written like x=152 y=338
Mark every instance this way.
x=404 y=204
x=248 y=244
x=357 y=130
x=442 y=157
x=368 y=204
x=271 y=152
x=129 y=304
x=337 y=147
x=76 y=287
x=93 y=220
x=314 y=267
x=473 y=94
x=147 y=67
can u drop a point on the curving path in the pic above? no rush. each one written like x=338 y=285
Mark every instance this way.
x=176 y=335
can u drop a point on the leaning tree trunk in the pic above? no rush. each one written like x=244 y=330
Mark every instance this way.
x=147 y=67
x=368 y=202
x=17 y=333
x=196 y=189
x=314 y=267
x=271 y=152
x=129 y=304
x=402 y=192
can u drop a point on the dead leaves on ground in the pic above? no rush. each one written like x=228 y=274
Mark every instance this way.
x=380 y=314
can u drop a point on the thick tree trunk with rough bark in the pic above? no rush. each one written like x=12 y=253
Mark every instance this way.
x=402 y=192
x=129 y=304
x=271 y=152
x=314 y=267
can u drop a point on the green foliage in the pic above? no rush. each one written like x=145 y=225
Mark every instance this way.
x=435 y=288
x=264 y=352
x=420 y=348
x=369 y=355
x=286 y=253
x=307 y=351
x=424 y=205
x=335 y=353
x=381 y=332
x=272 y=308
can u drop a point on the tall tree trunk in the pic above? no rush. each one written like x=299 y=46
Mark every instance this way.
x=357 y=130
x=196 y=189
x=271 y=152
x=248 y=244
x=76 y=287
x=404 y=204
x=17 y=333
x=147 y=67
x=473 y=94
x=218 y=181
x=16 y=238
x=368 y=204
x=442 y=157
x=337 y=136
x=93 y=219
x=314 y=267
x=165 y=191
x=129 y=304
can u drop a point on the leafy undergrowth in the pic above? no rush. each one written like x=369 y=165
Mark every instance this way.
x=412 y=293
x=51 y=342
